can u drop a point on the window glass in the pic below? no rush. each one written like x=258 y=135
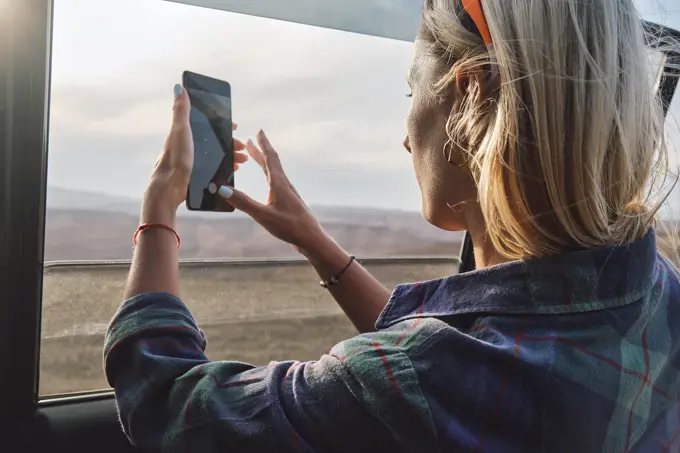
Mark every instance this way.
x=666 y=187
x=667 y=12
x=671 y=209
x=333 y=103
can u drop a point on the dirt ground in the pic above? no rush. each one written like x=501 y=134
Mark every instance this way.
x=252 y=313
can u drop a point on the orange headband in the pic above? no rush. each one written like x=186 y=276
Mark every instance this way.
x=474 y=9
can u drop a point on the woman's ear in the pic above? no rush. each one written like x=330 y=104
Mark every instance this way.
x=462 y=83
x=467 y=81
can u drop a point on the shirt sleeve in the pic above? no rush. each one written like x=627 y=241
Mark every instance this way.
x=362 y=396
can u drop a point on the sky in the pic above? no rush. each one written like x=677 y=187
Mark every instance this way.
x=333 y=103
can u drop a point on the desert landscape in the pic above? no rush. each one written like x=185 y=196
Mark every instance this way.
x=267 y=307
x=92 y=226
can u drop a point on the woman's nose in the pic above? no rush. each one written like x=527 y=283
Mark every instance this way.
x=407 y=144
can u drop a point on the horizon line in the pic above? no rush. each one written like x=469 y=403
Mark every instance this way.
x=130 y=199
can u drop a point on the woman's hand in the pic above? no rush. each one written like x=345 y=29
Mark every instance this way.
x=168 y=184
x=285 y=215
x=288 y=218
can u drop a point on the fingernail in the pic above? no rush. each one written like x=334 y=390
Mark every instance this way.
x=263 y=136
x=225 y=192
x=250 y=142
x=178 y=90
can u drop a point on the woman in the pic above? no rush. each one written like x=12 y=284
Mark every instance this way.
x=533 y=126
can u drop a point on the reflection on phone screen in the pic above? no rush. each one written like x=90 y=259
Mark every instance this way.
x=210 y=119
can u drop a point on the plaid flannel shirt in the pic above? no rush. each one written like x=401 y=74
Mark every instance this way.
x=575 y=353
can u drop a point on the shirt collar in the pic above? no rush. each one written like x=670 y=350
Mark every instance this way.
x=572 y=282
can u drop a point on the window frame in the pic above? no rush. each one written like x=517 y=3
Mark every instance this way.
x=25 y=74
x=25 y=78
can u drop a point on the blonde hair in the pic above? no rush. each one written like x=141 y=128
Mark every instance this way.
x=568 y=145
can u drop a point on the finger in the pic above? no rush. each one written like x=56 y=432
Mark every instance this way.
x=243 y=202
x=239 y=145
x=256 y=154
x=240 y=158
x=181 y=107
x=271 y=157
x=292 y=187
x=234 y=126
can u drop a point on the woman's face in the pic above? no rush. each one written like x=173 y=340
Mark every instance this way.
x=444 y=186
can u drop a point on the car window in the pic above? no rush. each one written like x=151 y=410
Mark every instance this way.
x=334 y=105
x=332 y=102
x=666 y=188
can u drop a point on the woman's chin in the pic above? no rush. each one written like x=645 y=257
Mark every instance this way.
x=444 y=219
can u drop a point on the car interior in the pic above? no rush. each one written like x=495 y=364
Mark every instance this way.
x=85 y=419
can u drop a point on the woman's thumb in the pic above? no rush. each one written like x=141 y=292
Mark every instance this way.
x=181 y=106
x=242 y=202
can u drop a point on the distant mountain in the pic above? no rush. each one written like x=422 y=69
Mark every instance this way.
x=60 y=198
x=95 y=226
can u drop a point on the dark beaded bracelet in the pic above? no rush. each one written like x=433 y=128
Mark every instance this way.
x=335 y=279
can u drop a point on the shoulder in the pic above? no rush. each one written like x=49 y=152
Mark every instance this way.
x=381 y=372
x=402 y=340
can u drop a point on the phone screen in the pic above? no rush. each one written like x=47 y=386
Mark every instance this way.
x=211 y=122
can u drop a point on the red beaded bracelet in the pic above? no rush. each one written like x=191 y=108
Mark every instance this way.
x=145 y=226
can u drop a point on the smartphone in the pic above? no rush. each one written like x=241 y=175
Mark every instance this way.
x=211 y=126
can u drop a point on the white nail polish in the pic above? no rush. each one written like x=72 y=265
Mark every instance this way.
x=225 y=192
